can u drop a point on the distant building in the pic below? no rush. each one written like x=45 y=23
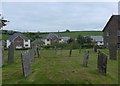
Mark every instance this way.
x=112 y=32
x=54 y=38
x=19 y=40
x=98 y=40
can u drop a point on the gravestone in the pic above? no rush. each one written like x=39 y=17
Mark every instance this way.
x=38 y=51
x=32 y=55
x=112 y=52
x=11 y=53
x=85 y=61
x=26 y=67
x=2 y=55
x=102 y=63
x=70 y=51
x=80 y=49
x=95 y=48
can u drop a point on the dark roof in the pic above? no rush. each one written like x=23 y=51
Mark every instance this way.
x=52 y=36
x=97 y=38
x=18 y=34
x=113 y=17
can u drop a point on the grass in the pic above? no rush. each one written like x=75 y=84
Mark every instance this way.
x=59 y=68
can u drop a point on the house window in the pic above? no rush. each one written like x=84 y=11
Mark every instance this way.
x=47 y=39
x=101 y=42
x=26 y=45
x=119 y=45
x=118 y=32
x=26 y=40
x=107 y=33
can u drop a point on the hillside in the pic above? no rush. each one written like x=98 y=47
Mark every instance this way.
x=33 y=35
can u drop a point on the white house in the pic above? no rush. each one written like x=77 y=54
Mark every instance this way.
x=19 y=40
x=98 y=40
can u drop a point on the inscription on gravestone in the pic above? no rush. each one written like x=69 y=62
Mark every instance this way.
x=26 y=67
x=11 y=53
x=85 y=61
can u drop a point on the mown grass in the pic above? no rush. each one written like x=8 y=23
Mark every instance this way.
x=59 y=68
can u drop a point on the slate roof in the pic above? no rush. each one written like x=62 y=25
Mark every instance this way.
x=97 y=38
x=65 y=38
x=18 y=34
x=113 y=17
x=52 y=36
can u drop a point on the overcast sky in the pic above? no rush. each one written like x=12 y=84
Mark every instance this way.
x=54 y=16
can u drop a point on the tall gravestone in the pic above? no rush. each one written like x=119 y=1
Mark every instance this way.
x=112 y=51
x=26 y=64
x=102 y=63
x=11 y=53
x=85 y=61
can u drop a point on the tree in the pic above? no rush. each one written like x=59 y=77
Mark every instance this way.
x=80 y=39
x=67 y=30
x=3 y=22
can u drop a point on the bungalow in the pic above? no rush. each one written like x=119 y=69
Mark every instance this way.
x=19 y=40
x=98 y=40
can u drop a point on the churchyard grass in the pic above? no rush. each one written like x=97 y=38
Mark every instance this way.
x=59 y=68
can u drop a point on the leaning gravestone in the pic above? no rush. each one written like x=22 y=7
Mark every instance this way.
x=85 y=61
x=11 y=53
x=26 y=67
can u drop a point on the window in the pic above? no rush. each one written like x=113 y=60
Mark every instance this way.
x=107 y=33
x=47 y=39
x=119 y=45
x=118 y=32
x=26 y=44
x=26 y=40
x=101 y=42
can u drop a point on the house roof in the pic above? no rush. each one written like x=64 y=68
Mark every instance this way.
x=18 y=34
x=97 y=38
x=113 y=17
x=52 y=36
x=65 y=38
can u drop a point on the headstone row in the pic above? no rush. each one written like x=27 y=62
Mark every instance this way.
x=102 y=62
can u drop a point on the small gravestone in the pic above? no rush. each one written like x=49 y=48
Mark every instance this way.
x=38 y=52
x=99 y=60
x=104 y=64
x=26 y=67
x=85 y=61
x=70 y=51
x=11 y=53
x=95 y=48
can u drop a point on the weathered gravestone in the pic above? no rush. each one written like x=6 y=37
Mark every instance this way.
x=11 y=53
x=26 y=64
x=102 y=63
x=31 y=55
x=85 y=61
x=112 y=51
x=95 y=48
x=70 y=51
x=38 y=51
x=80 y=49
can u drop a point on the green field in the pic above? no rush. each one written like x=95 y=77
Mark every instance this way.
x=73 y=34
x=59 y=68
